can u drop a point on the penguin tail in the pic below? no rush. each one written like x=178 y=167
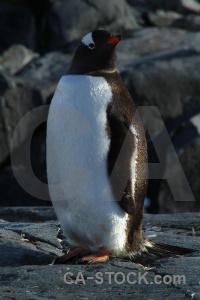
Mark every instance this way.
x=160 y=249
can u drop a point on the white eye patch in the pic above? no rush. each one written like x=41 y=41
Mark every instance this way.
x=88 y=41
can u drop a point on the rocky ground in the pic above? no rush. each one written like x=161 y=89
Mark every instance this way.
x=159 y=60
x=29 y=244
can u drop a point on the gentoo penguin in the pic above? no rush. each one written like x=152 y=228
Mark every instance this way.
x=96 y=155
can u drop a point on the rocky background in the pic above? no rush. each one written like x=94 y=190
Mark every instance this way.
x=159 y=60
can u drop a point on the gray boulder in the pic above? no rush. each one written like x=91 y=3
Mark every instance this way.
x=189 y=22
x=33 y=87
x=149 y=42
x=170 y=82
x=141 y=5
x=16 y=99
x=190 y=161
x=182 y=6
x=28 y=244
x=161 y=18
x=15 y=58
x=66 y=21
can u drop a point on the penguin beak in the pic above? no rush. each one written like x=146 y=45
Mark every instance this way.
x=114 y=40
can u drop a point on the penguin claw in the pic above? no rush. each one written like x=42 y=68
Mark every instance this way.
x=78 y=261
x=90 y=261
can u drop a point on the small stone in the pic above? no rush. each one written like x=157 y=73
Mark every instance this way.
x=16 y=58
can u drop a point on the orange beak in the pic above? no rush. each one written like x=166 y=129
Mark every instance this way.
x=114 y=40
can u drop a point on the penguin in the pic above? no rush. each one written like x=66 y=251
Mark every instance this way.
x=97 y=156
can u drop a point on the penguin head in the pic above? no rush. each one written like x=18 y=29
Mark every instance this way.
x=96 y=52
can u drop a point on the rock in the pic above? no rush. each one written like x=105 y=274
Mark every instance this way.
x=189 y=22
x=149 y=42
x=189 y=160
x=28 y=244
x=183 y=130
x=162 y=18
x=13 y=105
x=45 y=72
x=44 y=232
x=32 y=87
x=141 y=5
x=67 y=21
x=27 y=273
x=182 y=6
x=185 y=221
x=191 y=5
x=27 y=214
x=162 y=81
x=52 y=25
x=17 y=26
x=16 y=58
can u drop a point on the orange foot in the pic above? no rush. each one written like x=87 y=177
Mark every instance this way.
x=101 y=256
x=74 y=253
x=87 y=256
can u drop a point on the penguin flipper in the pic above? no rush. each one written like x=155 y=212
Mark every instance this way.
x=120 y=155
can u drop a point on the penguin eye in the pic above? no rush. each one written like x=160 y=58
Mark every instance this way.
x=91 y=45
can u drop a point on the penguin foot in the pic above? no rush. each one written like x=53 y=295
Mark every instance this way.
x=101 y=256
x=71 y=254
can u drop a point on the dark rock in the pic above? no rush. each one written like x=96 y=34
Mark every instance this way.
x=8 y=234
x=177 y=221
x=182 y=6
x=189 y=22
x=190 y=161
x=151 y=41
x=141 y=5
x=17 y=26
x=27 y=214
x=67 y=21
x=169 y=82
x=16 y=99
x=184 y=130
x=17 y=252
x=28 y=244
x=44 y=232
x=33 y=87
x=45 y=72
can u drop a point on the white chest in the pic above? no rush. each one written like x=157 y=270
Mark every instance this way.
x=77 y=142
